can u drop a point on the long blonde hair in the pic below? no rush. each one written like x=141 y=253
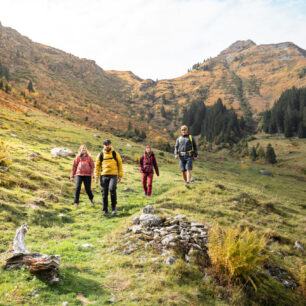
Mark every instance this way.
x=80 y=150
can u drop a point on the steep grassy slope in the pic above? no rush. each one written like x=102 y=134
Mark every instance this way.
x=226 y=191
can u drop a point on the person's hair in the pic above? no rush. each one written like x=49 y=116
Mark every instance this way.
x=80 y=150
x=106 y=142
x=184 y=127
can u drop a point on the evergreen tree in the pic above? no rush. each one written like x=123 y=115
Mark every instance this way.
x=270 y=155
x=253 y=154
x=130 y=126
x=301 y=131
x=260 y=152
x=1 y=85
x=30 y=87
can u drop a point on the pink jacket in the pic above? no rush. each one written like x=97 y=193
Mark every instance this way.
x=83 y=165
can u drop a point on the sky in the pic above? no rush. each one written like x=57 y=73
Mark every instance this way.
x=154 y=39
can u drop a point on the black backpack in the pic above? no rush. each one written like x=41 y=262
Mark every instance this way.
x=114 y=157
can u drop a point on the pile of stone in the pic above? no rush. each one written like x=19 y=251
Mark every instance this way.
x=174 y=232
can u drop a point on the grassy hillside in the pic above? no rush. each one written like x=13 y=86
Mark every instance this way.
x=227 y=192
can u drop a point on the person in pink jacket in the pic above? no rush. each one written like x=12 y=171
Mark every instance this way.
x=82 y=170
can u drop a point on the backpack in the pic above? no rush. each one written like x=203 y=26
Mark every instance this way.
x=79 y=159
x=190 y=137
x=101 y=157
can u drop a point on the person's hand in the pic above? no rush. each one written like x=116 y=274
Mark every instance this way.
x=195 y=158
x=71 y=178
x=176 y=156
x=119 y=179
x=97 y=180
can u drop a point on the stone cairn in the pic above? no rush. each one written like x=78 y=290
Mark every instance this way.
x=44 y=266
x=164 y=233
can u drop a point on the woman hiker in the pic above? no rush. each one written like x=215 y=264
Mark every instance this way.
x=146 y=164
x=82 y=170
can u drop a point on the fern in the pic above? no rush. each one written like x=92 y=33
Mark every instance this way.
x=236 y=254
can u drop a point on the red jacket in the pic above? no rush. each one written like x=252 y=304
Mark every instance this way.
x=146 y=164
x=83 y=165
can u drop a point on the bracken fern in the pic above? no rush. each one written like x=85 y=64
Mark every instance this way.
x=234 y=254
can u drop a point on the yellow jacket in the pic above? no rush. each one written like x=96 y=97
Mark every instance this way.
x=109 y=165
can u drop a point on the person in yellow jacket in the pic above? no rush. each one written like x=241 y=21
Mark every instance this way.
x=109 y=169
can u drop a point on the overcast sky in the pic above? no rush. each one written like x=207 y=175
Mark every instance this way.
x=154 y=38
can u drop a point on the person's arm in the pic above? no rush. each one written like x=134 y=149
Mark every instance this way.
x=176 y=148
x=120 y=169
x=97 y=168
x=74 y=168
x=141 y=164
x=155 y=166
x=195 y=147
x=92 y=166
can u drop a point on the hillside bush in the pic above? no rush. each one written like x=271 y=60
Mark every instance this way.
x=234 y=254
x=5 y=159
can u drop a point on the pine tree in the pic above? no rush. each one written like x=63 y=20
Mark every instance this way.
x=30 y=87
x=260 y=152
x=270 y=155
x=253 y=154
x=1 y=85
x=130 y=126
x=301 y=131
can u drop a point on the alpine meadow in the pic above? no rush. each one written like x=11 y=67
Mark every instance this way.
x=231 y=233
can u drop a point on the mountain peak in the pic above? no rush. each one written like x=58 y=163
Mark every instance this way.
x=238 y=46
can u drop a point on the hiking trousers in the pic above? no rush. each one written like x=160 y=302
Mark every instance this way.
x=147 y=187
x=109 y=184
x=79 y=179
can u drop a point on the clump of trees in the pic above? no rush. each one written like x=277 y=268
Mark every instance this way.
x=4 y=79
x=215 y=124
x=288 y=114
x=132 y=133
x=258 y=153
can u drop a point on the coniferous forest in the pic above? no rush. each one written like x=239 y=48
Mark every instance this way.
x=288 y=115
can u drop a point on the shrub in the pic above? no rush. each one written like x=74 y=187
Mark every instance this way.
x=4 y=155
x=234 y=254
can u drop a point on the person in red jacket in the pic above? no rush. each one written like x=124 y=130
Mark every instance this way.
x=146 y=164
x=82 y=170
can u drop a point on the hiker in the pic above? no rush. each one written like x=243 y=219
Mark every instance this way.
x=82 y=170
x=109 y=166
x=186 y=151
x=146 y=164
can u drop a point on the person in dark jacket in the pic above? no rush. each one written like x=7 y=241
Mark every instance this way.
x=186 y=150
x=82 y=170
x=146 y=164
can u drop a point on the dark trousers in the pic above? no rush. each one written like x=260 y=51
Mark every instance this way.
x=78 y=183
x=109 y=184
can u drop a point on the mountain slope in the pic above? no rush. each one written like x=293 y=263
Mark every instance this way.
x=246 y=76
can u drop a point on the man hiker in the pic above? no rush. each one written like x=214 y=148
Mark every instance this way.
x=186 y=150
x=109 y=166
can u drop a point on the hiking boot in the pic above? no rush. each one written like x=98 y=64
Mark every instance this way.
x=114 y=212
x=145 y=193
x=187 y=185
x=76 y=204
x=92 y=202
x=105 y=213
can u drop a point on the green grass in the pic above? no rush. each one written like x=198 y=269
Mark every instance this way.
x=225 y=193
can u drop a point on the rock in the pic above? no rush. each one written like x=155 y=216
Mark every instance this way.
x=127 y=189
x=205 y=277
x=265 y=172
x=112 y=300
x=34 y=154
x=97 y=136
x=39 y=202
x=136 y=220
x=168 y=239
x=154 y=259
x=187 y=258
x=195 y=230
x=136 y=229
x=62 y=152
x=298 y=245
x=128 y=145
x=3 y=169
x=149 y=209
x=170 y=260
x=129 y=251
x=13 y=135
x=150 y=220
x=196 y=224
x=62 y=215
x=173 y=228
x=65 y=304
x=288 y=284
x=180 y=217
x=87 y=245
